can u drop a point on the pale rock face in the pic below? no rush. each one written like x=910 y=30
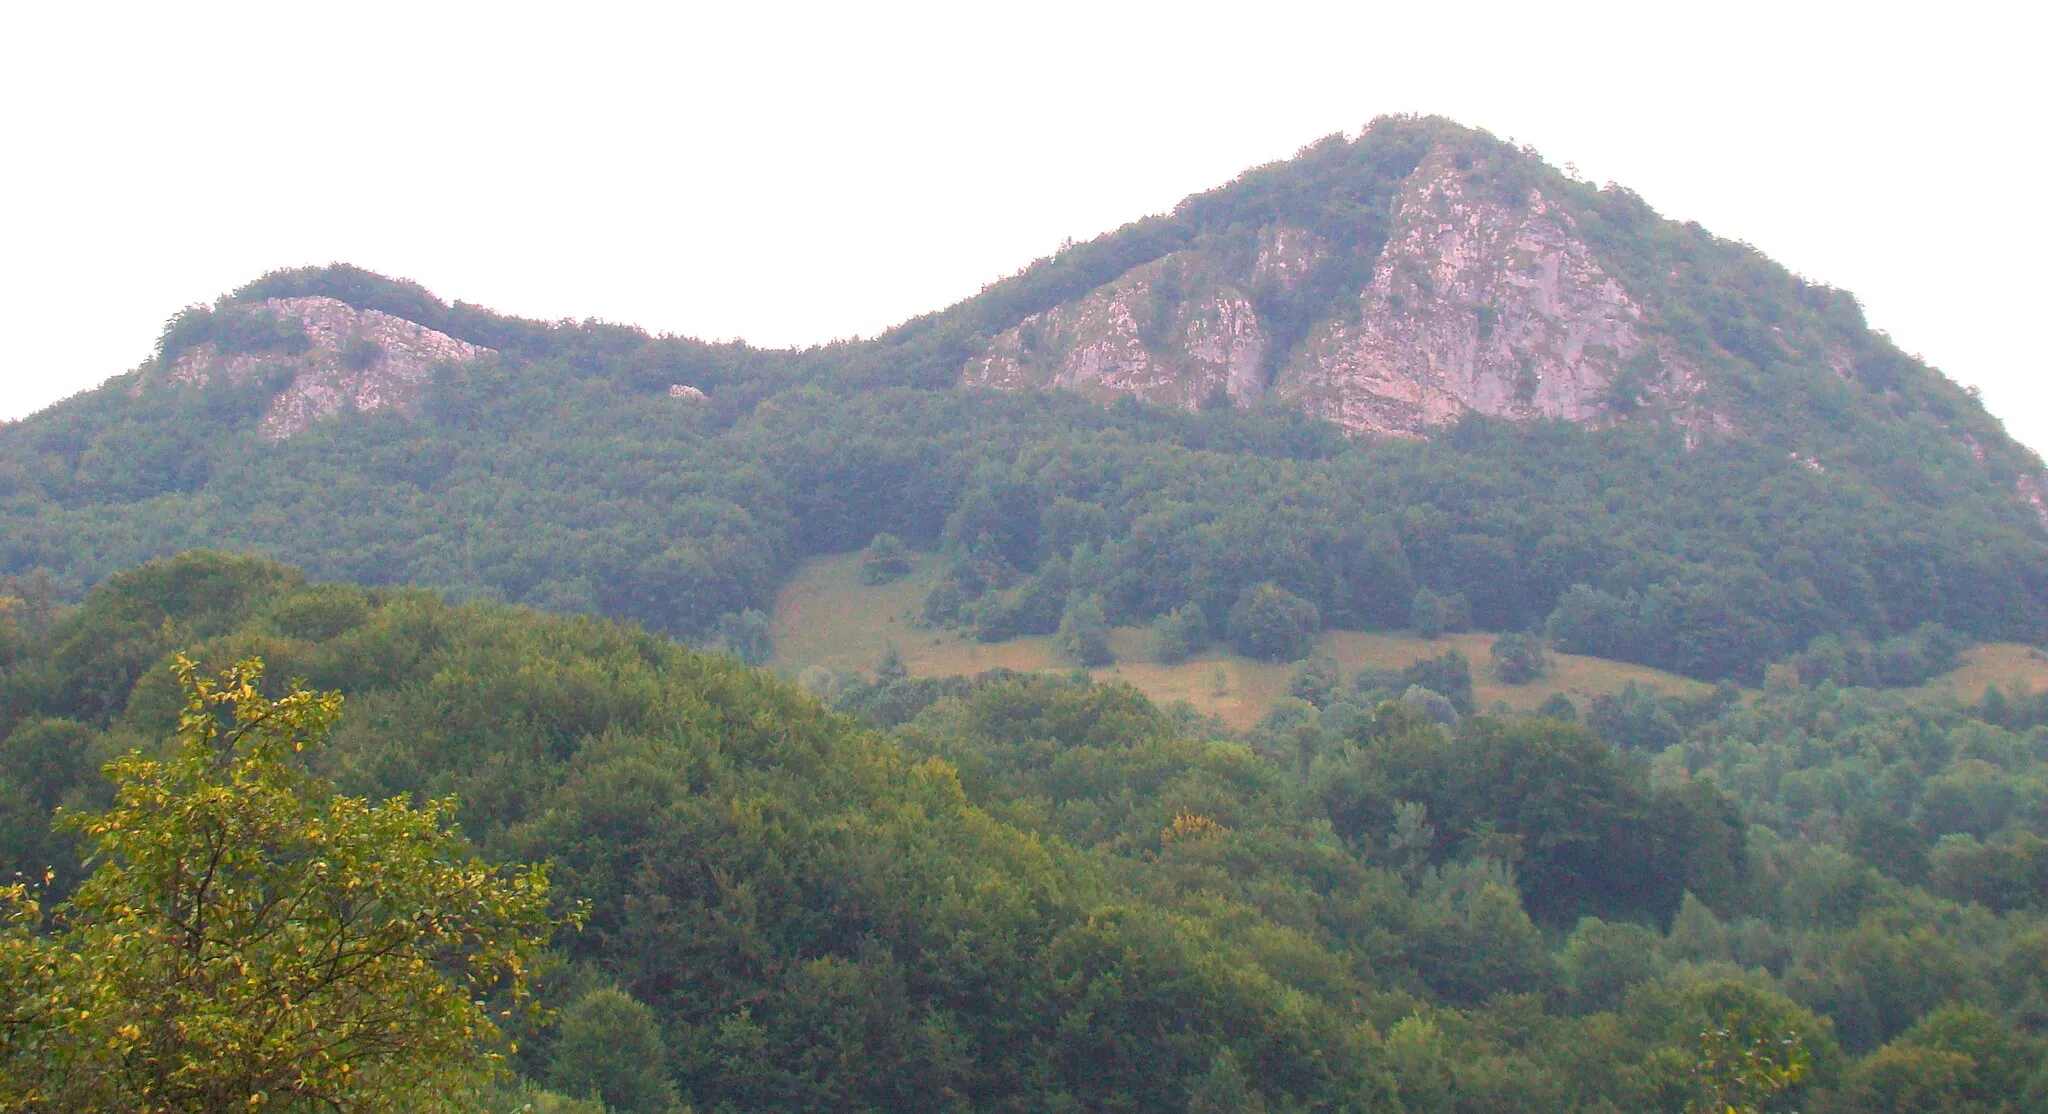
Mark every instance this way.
x=1168 y=332
x=1286 y=256
x=1477 y=306
x=2029 y=489
x=405 y=356
x=1474 y=305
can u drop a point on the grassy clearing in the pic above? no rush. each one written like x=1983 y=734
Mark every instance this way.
x=826 y=616
x=2008 y=665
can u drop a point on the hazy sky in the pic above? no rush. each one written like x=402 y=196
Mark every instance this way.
x=794 y=173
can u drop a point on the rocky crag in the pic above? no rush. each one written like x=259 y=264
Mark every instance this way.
x=320 y=355
x=1474 y=304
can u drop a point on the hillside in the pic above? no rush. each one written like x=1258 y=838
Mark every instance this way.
x=826 y=618
x=1452 y=374
x=1040 y=893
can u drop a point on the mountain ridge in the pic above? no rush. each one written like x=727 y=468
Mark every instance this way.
x=1509 y=289
x=1552 y=397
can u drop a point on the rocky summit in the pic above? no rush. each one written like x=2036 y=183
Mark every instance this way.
x=1474 y=304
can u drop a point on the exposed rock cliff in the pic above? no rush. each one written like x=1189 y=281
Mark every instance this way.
x=1172 y=331
x=350 y=358
x=1475 y=303
x=1478 y=305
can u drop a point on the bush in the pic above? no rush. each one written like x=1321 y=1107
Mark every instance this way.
x=1635 y=719
x=1448 y=674
x=1180 y=634
x=1273 y=624
x=361 y=353
x=1432 y=704
x=1559 y=707
x=1434 y=614
x=745 y=635
x=1901 y=661
x=885 y=560
x=1519 y=658
x=1084 y=632
x=1315 y=681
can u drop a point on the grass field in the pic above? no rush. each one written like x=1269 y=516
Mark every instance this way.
x=826 y=616
x=2005 y=664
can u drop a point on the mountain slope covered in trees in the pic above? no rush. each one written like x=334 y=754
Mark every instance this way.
x=1739 y=467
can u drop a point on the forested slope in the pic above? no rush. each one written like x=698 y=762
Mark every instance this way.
x=1040 y=894
x=1808 y=480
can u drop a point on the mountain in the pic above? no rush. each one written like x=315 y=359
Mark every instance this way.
x=1416 y=365
x=1412 y=381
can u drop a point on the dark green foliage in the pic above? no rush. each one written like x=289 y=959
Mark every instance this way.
x=235 y=330
x=745 y=635
x=608 y=1047
x=1897 y=662
x=1180 y=634
x=1584 y=831
x=606 y=498
x=1271 y=623
x=1636 y=718
x=885 y=560
x=1433 y=614
x=1449 y=675
x=1038 y=892
x=1315 y=681
x=1083 y=633
x=890 y=668
x=1560 y=707
x=361 y=353
x=1518 y=659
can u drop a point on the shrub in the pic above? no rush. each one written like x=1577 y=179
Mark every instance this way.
x=1180 y=634
x=1084 y=632
x=746 y=636
x=361 y=353
x=1519 y=658
x=1434 y=614
x=1315 y=681
x=885 y=560
x=1272 y=623
x=1448 y=674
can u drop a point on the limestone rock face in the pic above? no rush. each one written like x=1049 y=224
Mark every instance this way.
x=1475 y=303
x=360 y=359
x=1171 y=332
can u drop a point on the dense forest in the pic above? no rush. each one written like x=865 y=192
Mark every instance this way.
x=1037 y=893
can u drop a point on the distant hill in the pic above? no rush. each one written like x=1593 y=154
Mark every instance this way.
x=1417 y=362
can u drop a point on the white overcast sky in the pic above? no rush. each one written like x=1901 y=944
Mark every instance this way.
x=794 y=173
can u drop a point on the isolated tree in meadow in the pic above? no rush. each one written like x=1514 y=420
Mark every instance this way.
x=1274 y=624
x=884 y=560
x=1519 y=658
x=251 y=940
x=1084 y=631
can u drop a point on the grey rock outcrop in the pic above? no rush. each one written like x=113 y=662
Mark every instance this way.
x=1475 y=304
x=361 y=359
x=1172 y=332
